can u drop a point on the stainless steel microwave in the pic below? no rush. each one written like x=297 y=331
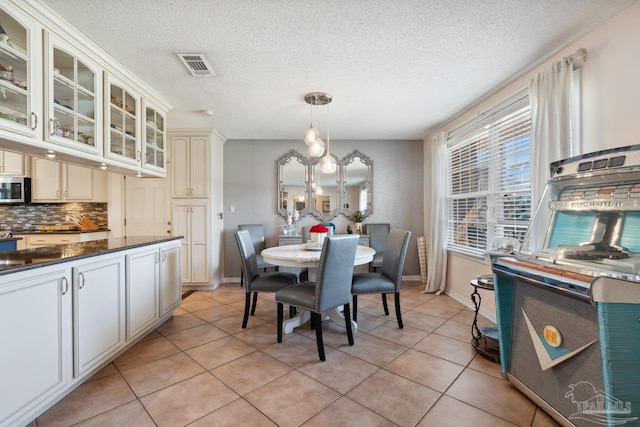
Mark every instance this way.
x=15 y=189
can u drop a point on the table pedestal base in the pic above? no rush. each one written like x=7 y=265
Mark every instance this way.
x=303 y=316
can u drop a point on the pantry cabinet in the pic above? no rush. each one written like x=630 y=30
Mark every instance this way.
x=11 y=164
x=35 y=364
x=191 y=220
x=98 y=311
x=190 y=174
x=20 y=74
x=72 y=90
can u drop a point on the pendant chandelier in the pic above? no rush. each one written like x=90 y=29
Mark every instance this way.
x=312 y=136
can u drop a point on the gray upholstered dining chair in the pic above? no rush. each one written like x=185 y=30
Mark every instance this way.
x=378 y=235
x=257 y=237
x=389 y=279
x=257 y=282
x=331 y=289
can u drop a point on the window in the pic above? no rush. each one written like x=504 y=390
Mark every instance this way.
x=489 y=189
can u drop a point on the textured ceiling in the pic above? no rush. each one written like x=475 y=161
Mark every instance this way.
x=396 y=69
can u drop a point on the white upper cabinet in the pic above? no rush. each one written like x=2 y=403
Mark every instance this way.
x=11 y=164
x=20 y=74
x=58 y=182
x=122 y=108
x=154 y=140
x=73 y=84
x=59 y=91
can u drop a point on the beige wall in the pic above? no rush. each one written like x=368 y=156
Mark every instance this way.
x=610 y=116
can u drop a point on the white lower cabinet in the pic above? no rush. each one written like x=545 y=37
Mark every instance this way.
x=170 y=277
x=64 y=322
x=143 y=285
x=98 y=311
x=35 y=361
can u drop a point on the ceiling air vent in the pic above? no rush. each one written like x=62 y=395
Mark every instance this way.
x=196 y=64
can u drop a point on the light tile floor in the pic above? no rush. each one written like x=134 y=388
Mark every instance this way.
x=200 y=368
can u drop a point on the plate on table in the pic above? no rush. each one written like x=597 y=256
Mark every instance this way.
x=312 y=246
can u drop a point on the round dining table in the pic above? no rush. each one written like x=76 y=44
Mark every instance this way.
x=308 y=256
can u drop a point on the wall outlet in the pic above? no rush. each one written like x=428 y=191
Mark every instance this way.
x=232 y=209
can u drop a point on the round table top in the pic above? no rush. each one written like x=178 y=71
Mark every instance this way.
x=294 y=255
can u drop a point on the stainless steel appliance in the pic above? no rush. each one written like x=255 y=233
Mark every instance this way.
x=15 y=189
x=568 y=304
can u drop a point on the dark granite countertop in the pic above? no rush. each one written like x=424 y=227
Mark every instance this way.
x=58 y=231
x=26 y=259
x=9 y=239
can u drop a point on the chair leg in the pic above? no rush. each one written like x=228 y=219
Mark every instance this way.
x=255 y=302
x=280 y=313
x=318 y=321
x=384 y=304
x=347 y=323
x=398 y=315
x=247 y=303
x=355 y=307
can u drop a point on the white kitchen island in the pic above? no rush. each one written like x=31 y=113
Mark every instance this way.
x=68 y=310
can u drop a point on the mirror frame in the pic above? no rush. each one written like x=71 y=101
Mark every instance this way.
x=344 y=162
x=282 y=161
x=309 y=165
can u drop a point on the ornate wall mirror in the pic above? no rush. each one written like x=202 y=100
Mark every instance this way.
x=357 y=184
x=325 y=194
x=303 y=187
x=293 y=183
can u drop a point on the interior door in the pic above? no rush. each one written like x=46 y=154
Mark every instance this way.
x=147 y=207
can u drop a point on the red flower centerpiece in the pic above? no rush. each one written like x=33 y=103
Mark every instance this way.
x=317 y=234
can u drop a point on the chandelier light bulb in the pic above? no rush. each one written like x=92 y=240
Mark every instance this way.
x=328 y=164
x=310 y=135
x=316 y=149
x=319 y=190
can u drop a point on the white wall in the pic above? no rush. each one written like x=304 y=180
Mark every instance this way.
x=610 y=116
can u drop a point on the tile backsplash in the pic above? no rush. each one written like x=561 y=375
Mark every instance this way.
x=30 y=216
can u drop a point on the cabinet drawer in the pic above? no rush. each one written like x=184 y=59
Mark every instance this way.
x=35 y=241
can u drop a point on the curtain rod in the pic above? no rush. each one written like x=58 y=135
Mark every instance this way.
x=519 y=95
x=579 y=54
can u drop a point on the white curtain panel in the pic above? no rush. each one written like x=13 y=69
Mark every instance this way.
x=437 y=252
x=552 y=118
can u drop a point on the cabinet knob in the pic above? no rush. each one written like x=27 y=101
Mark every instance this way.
x=168 y=231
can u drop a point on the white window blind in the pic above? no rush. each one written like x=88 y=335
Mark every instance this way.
x=489 y=178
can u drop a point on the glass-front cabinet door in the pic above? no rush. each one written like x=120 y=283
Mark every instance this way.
x=122 y=105
x=20 y=73
x=72 y=98
x=154 y=141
